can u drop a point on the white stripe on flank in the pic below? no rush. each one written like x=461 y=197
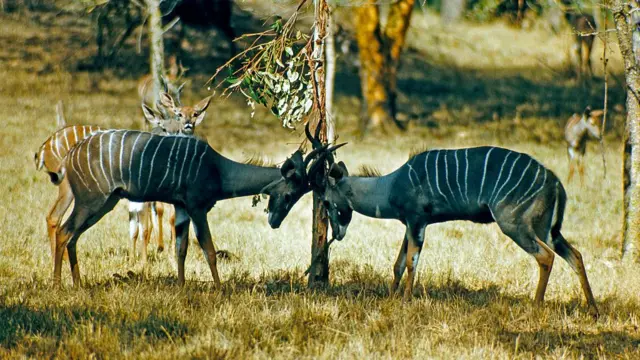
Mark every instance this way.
x=507 y=181
x=76 y=152
x=153 y=159
x=54 y=146
x=66 y=141
x=131 y=156
x=458 y=177
x=184 y=161
x=111 y=159
x=124 y=134
x=437 y=181
x=84 y=132
x=142 y=162
x=195 y=151
x=175 y=167
x=41 y=162
x=426 y=172
x=544 y=179
x=446 y=177
x=484 y=173
x=518 y=183
x=204 y=151
x=77 y=159
x=75 y=134
x=499 y=176
x=466 y=174
x=104 y=173
x=530 y=186
x=166 y=173
x=88 y=144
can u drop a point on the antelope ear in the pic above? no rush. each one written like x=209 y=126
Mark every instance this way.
x=288 y=169
x=587 y=110
x=200 y=109
x=336 y=172
x=151 y=115
x=60 y=120
x=343 y=167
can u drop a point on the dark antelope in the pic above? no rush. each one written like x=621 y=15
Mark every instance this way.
x=576 y=133
x=179 y=170
x=183 y=122
x=482 y=185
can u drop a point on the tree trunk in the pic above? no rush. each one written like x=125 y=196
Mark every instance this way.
x=376 y=111
x=626 y=25
x=379 y=58
x=319 y=271
x=156 y=48
x=330 y=59
x=451 y=10
x=395 y=34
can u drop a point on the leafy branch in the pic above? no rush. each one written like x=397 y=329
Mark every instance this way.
x=275 y=71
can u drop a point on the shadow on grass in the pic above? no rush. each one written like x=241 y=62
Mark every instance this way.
x=59 y=322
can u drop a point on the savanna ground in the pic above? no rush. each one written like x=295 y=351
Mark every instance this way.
x=474 y=286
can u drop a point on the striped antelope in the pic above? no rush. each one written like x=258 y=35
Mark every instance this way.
x=49 y=158
x=141 y=219
x=483 y=185
x=576 y=133
x=183 y=171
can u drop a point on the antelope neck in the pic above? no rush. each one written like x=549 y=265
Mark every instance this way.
x=240 y=179
x=370 y=195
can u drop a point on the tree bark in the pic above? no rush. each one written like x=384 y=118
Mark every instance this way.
x=156 y=48
x=379 y=59
x=330 y=60
x=627 y=40
x=395 y=34
x=319 y=271
x=451 y=10
x=376 y=111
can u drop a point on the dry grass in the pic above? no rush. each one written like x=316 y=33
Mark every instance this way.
x=473 y=298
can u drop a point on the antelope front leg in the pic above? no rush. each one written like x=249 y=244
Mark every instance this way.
x=400 y=265
x=414 y=246
x=181 y=229
x=65 y=197
x=204 y=239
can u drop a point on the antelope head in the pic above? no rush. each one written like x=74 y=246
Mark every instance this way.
x=593 y=119
x=285 y=192
x=188 y=116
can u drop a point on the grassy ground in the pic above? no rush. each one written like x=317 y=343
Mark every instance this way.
x=473 y=297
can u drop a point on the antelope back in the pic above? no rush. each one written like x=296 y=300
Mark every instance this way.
x=143 y=165
x=467 y=180
x=51 y=153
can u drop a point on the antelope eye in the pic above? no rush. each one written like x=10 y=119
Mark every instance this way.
x=326 y=204
x=287 y=198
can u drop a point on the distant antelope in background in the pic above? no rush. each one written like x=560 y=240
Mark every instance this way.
x=170 y=83
x=483 y=185
x=576 y=133
x=141 y=219
x=49 y=158
x=584 y=27
x=183 y=171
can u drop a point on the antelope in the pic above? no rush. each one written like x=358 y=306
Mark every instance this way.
x=176 y=73
x=183 y=171
x=524 y=198
x=576 y=133
x=49 y=158
x=141 y=219
x=584 y=26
